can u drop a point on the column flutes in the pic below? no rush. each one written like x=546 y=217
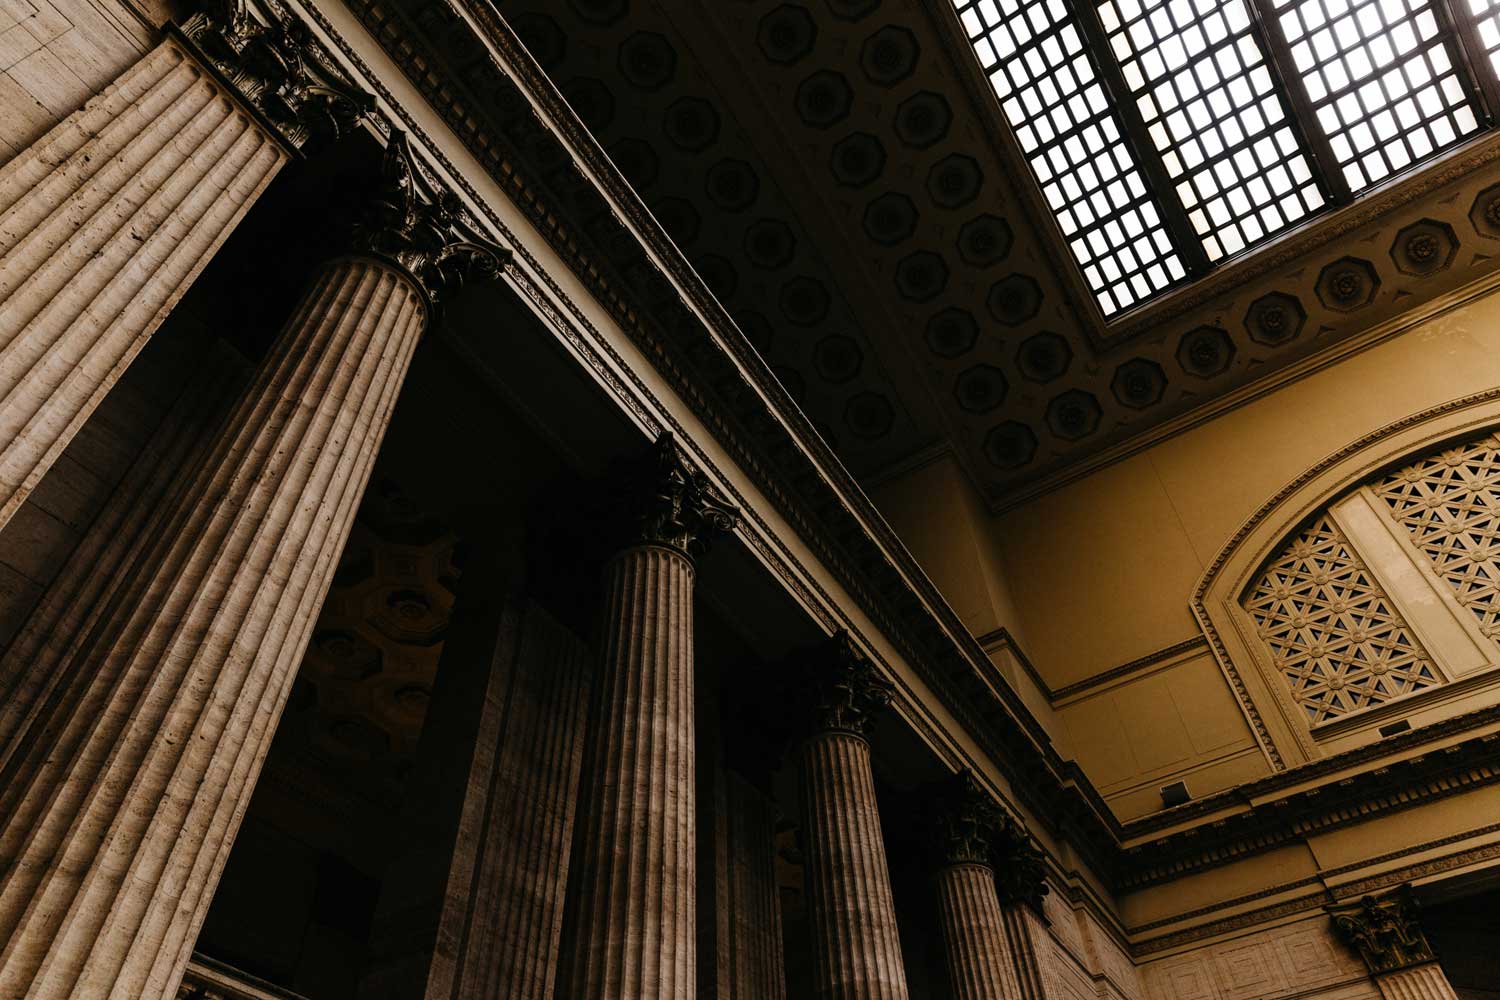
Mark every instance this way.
x=973 y=929
x=107 y=219
x=634 y=932
x=121 y=799
x=857 y=949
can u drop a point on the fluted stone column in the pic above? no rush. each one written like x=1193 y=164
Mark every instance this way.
x=121 y=799
x=497 y=790
x=755 y=966
x=106 y=220
x=741 y=953
x=634 y=932
x=1386 y=931
x=974 y=945
x=33 y=670
x=857 y=949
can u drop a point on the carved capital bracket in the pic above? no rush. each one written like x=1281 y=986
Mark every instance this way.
x=269 y=57
x=421 y=225
x=844 y=692
x=968 y=822
x=672 y=504
x=1020 y=868
x=1384 y=930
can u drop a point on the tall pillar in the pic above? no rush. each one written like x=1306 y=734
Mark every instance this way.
x=122 y=796
x=634 y=932
x=32 y=673
x=974 y=945
x=479 y=894
x=1021 y=886
x=106 y=220
x=741 y=941
x=1387 y=933
x=857 y=950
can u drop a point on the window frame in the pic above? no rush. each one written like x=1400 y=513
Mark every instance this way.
x=1275 y=720
x=1317 y=229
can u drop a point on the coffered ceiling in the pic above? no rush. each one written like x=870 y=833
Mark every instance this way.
x=838 y=176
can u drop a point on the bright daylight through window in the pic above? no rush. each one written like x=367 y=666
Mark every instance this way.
x=1169 y=135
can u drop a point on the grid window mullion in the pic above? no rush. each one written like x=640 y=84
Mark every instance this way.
x=1325 y=164
x=1484 y=16
x=1467 y=16
x=1110 y=214
x=1384 y=79
x=1198 y=75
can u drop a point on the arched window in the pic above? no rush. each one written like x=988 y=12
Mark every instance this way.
x=1391 y=590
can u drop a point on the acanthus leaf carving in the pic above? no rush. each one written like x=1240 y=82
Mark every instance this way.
x=276 y=67
x=422 y=226
x=1385 y=931
x=968 y=822
x=846 y=694
x=1020 y=868
x=673 y=504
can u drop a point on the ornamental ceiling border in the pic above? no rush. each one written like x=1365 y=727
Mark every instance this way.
x=1198 y=603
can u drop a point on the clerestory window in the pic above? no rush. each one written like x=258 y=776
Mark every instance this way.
x=1391 y=590
x=1170 y=135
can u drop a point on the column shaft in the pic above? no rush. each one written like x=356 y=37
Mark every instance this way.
x=854 y=920
x=634 y=933
x=974 y=934
x=754 y=966
x=1421 y=982
x=120 y=805
x=104 y=222
x=38 y=670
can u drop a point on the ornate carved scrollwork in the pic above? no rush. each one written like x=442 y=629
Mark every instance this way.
x=422 y=226
x=272 y=62
x=968 y=822
x=845 y=693
x=1385 y=932
x=673 y=504
x=1020 y=868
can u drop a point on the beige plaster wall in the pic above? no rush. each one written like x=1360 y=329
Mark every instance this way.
x=1099 y=573
x=1110 y=560
x=944 y=523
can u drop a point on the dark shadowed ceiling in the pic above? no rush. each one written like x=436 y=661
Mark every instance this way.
x=840 y=179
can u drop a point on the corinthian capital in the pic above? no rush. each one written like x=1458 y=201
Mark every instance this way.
x=968 y=822
x=269 y=58
x=422 y=226
x=1020 y=868
x=672 y=504
x=1384 y=930
x=847 y=695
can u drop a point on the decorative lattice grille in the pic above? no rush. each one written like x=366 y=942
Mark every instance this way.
x=1449 y=502
x=1332 y=631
